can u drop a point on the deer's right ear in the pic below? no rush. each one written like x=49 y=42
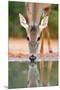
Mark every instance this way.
x=23 y=21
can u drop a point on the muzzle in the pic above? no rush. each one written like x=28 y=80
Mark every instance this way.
x=32 y=58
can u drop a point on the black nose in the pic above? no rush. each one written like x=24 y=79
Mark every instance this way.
x=32 y=58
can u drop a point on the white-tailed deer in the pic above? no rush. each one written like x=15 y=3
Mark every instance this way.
x=35 y=29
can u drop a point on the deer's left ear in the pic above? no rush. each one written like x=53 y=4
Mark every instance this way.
x=23 y=21
x=44 y=23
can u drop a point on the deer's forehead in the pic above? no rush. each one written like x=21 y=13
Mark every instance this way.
x=32 y=32
x=33 y=28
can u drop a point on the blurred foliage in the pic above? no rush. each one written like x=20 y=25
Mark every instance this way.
x=54 y=6
x=15 y=29
x=53 y=24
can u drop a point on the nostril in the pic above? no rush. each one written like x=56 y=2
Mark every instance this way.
x=32 y=58
x=27 y=38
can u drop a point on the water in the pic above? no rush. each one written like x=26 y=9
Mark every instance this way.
x=18 y=73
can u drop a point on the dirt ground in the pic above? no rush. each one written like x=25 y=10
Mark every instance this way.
x=19 y=47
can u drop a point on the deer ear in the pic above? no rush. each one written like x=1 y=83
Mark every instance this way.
x=44 y=23
x=23 y=21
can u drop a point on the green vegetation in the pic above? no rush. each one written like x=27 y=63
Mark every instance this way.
x=15 y=30
x=53 y=24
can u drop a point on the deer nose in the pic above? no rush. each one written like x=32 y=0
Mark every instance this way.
x=32 y=58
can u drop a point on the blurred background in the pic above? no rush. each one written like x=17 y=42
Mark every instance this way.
x=16 y=31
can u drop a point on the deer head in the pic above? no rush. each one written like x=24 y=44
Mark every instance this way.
x=34 y=31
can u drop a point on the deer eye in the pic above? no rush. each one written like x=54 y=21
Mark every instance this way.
x=27 y=38
x=38 y=39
